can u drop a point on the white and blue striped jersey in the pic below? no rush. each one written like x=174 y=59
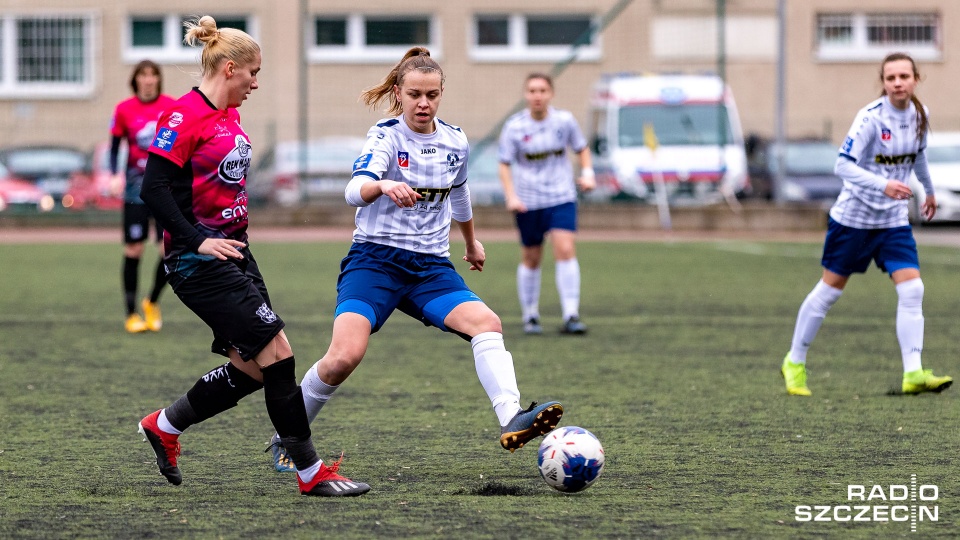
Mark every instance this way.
x=883 y=142
x=536 y=150
x=434 y=165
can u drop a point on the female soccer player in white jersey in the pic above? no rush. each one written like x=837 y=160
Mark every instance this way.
x=869 y=222
x=410 y=180
x=538 y=186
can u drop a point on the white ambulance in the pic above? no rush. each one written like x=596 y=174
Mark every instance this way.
x=699 y=152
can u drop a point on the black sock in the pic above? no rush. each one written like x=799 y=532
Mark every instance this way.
x=220 y=389
x=159 y=280
x=131 y=266
x=284 y=400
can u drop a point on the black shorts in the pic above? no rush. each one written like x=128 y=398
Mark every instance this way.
x=231 y=297
x=136 y=224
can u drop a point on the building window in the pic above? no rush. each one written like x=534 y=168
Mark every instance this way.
x=47 y=56
x=330 y=32
x=533 y=38
x=558 y=30
x=835 y=29
x=400 y=32
x=371 y=38
x=493 y=30
x=147 y=32
x=902 y=30
x=871 y=36
x=160 y=37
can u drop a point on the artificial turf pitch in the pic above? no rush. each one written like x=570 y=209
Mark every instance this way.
x=678 y=377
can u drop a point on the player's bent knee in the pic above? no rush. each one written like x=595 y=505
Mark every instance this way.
x=334 y=369
x=487 y=321
x=282 y=347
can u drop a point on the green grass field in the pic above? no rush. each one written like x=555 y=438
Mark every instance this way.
x=678 y=377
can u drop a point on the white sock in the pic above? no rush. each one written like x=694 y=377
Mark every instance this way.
x=495 y=370
x=308 y=474
x=568 y=285
x=528 y=290
x=812 y=311
x=316 y=393
x=165 y=425
x=910 y=322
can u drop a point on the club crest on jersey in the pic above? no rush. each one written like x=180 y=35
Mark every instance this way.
x=403 y=160
x=175 y=119
x=885 y=134
x=164 y=139
x=452 y=161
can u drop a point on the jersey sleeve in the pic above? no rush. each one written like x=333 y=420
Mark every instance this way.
x=861 y=133
x=577 y=141
x=507 y=148
x=374 y=160
x=462 y=173
x=177 y=138
x=117 y=122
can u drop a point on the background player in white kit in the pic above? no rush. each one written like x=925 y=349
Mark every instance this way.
x=538 y=186
x=407 y=185
x=869 y=222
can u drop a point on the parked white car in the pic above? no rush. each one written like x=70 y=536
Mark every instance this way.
x=943 y=158
x=287 y=176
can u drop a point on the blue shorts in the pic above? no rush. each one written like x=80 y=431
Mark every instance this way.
x=376 y=279
x=534 y=224
x=848 y=250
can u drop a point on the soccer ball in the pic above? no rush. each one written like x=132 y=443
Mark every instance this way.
x=570 y=459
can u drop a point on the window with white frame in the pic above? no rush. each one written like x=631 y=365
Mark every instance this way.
x=871 y=36
x=47 y=56
x=518 y=37
x=342 y=38
x=160 y=37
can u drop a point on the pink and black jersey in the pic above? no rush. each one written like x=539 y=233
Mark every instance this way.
x=136 y=122
x=214 y=153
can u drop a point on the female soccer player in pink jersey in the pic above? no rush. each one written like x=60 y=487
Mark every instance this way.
x=135 y=121
x=195 y=185
x=869 y=223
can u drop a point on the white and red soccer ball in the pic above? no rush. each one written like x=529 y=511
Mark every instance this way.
x=570 y=459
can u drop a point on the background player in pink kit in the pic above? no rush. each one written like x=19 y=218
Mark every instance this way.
x=195 y=183
x=135 y=121
x=539 y=188
x=408 y=184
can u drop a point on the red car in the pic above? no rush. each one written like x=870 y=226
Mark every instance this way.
x=94 y=187
x=17 y=193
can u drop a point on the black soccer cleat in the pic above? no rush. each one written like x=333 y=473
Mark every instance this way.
x=573 y=326
x=527 y=425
